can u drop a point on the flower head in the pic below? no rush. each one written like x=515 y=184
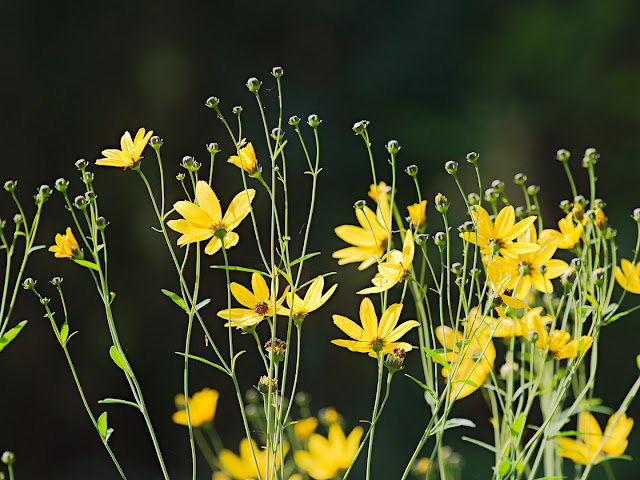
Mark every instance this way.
x=66 y=246
x=205 y=220
x=395 y=269
x=500 y=281
x=130 y=150
x=259 y=303
x=379 y=194
x=246 y=159
x=304 y=427
x=202 y=408
x=299 y=308
x=418 y=213
x=569 y=233
x=326 y=457
x=613 y=442
x=375 y=338
x=627 y=276
x=241 y=467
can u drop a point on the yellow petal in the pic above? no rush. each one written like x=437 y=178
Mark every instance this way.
x=239 y=208
x=350 y=328
x=260 y=288
x=368 y=318
x=208 y=201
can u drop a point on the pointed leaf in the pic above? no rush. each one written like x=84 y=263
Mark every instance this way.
x=303 y=258
x=37 y=247
x=203 y=303
x=621 y=314
x=200 y=359
x=64 y=333
x=504 y=468
x=518 y=425
x=118 y=359
x=233 y=361
x=491 y=448
x=11 y=334
x=117 y=400
x=240 y=269
x=426 y=389
x=88 y=264
x=437 y=358
x=102 y=425
x=178 y=300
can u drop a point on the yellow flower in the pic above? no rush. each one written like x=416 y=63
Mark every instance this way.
x=242 y=467
x=568 y=235
x=627 y=275
x=470 y=362
x=369 y=240
x=329 y=415
x=395 y=269
x=205 y=220
x=304 y=427
x=202 y=408
x=328 y=456
x=498 y=238
x=246 y=159
x=313 y=299
x=418 y=213
x=380 y=193
x=421 y=467
x=524 y=267
x=374 y=338
x=500 y=281
x=130 y=150
x=66 y=246
x=259 y=303
x=613 y=442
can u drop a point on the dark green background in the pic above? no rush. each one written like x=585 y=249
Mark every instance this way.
x=514 y=81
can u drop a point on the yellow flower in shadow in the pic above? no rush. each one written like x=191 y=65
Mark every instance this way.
x=304 y=427
x=612 y=442
x=259 y=303
x=374 y=338
x=395 y=269
x=202 y=408
x=299 y=308
x=246 y=159
x=242 y=467
x=205 y=220
x=379 y=194
x=418 y=213
x=627 y=276
x=568 y=235
x=130 y=150
x=66 y=246
x=326 y=457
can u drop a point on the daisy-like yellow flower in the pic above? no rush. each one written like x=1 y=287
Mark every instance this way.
x=627 y=275
x=246 y=160
x=241 y=467
x=612 y=442
x=205 y=220
x=327 y=457
x=299 y=308
x=374 y=338
x=202 y=408
x=304 y=427
x=499 y=238
x=524 y=268
x=500 y=281
x=259 y=303
x=130 y=150
x=370 y=239
x=66 y=246
x=569 y=233
x=395 y=269
x=418 y=213
x=381 y=193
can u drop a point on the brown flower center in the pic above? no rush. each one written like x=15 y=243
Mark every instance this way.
x=261 y=308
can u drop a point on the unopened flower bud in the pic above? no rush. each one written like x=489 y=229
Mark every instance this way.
x=466 y=227
x=294 y=120
x=568 y=277
x=411 y=170
x=473 y=198
x=440 y=239
x=265 y=382
x=547 y=324
x=457 y=269
x=599 y=203
x=253 y=84
x=17 y=219
x=220 y=233
x=474 y=272
x=520 y=178
x=472 y=157
x=56 y=281
x=591 y=215
x=532 y=336
x=187 y=162
x=498 y=186
x=441 y=202
x=156 y=142
x=237 y=110
x=598 y=276
x=562 y=155
x=212 y=102
x=395 y=361
x=421 y=239
x=610 y=233
x=277 y=72
x=459 y=281
x=451 y=167
x=276 y=133
x=180 y=177
x=90 y=196
x=491 y=195
x=542 y=268
x=61 y=184
x=575 y=263
x=82 y=164
x=277 y=350
x=10 y=185
x=80 y=202
x=87 y=177
x=101 y=223
x=533 y=190
x=29 y=283
x=393 y=147
x=360 y=127
x=45 y=301
x=591 y=157
x=359 y=205
x=565 y=206
x=213 y=148
x=580 y=200
x=520 y=212
x=8 y=458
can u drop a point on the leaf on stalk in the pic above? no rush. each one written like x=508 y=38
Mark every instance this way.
x=616 y=457
x=203 y=303
x=177 y=300
x=118 y=359
x=452 y=423
x=102 y=425
x=118 y=400
x=88 y=264
x=437 y=357
x=11 y=334
x=203 y=360
x=64 y=333
x=491 y=448
x=518 y=425
x=591 y=299
x=233 y=361
x=621 y=314
x=426 y=389
x=239 y=269
x=37 y=247
x=504 y=468
x=303 y=258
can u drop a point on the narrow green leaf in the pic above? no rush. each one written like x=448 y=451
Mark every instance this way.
x=491 y=448
x=178 y=300
x=239 y=269
x=617 y=457
x=118 y=359
x=638 y=361
x=200 y=359
x=11 y=334
x=303 y=258
x=112 y=296
x=203 y=303
x=426 y=389
x=286 y=276
x=467 y=382
x=233 y=361
x=459 y=422
x=437 y=358
x=117 y=400
x=88 y=264
x=518 y=425
x=64 y=333
x=591 y=299
x=102 y=425
x=37 y=247
x=280 y=149
x=621 y=314
x=504 y=468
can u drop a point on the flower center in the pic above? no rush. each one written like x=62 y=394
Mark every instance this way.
x=376 y=345
x=261 y=308
x=495 y=244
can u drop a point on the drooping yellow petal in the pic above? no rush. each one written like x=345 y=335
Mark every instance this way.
x=239 y=208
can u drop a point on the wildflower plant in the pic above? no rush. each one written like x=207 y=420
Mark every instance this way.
x=500 y=307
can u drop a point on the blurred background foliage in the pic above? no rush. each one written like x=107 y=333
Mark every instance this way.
x=514 y=81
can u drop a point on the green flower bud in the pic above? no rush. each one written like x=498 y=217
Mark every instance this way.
x=101 y=223
x=421 y=238
x=313 y=120
x=636 y=215
x=277 y=72
x=213 y=148
x=599 y=203
x=156 y=142
x=474 y=272
x=542 y=268
x=276 y=133
x=565 y=206
x=524 y=268
x=591 y=157
x=82 y=164
x=45 y=301
x=87 y=177
x=562 y=155
x=90 y=196
x=472 y=157
x=580 y=200
x=10 y=185
x=29 y=283
x=276 y=351
x=473 y=198
x=8 y=458
x=498 y=186
x=532 y=336
x=451 y=167
x=491 y=195
x=359 y=205
x=568 y=277
x=80 y=202
x=610 y=233
x=440 y=239
x=575 y=263
x=520 y=178
x=212 y=102
x=360 y=127
x=598 y=276
x=466 y=227
x=237 y=110
x=457 y=269
x=395 y=361
x=263 y=384
x=61 y=184
x=411 y=170
x=520 y=212
x=394 y=147
x=441 y=203
x=294 y=120
x=220 y=233
x=17 y=219
x=533 y=190
x=56 y=281
x=253 y=84
x=187 y=162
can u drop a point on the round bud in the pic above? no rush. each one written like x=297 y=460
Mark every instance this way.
x=467 y=226
x=542 y=268
x=8 y=458
x=393 y=147
x=532 y=336
x=533 y=190
x=180 y=177
x=253 y=84
x=80 y=202
x=575 y=263
x=520 y=212
x=359 y=205
x=360 y=127
x=498 y=186
x=474 y=272
x=277 y=72
x=56 y=281
x=45 y=301
x=562 y=155
x=61 y=184
x=591 y=215
x=568 y=277
x=524 y=268
x=313 y=120
x=491 y=194
x=591 y=156
x=636 y=215
x=265 y=382
x=187 y=162
x=10 y=185
x=44 y=190
x=457 y=269
x=212 y=102
x=395 y=361
x=598 y=276
x=90 y=196
x=599 y=203
x=520 y=178
x=580 y=200
x=237 y=110
x=17 y=219
x=411 y=170
x=565 y=206
x=87 y=177
x=294 y=120
x=82 y=164
x=547 y=324
x=213 y=148
x=220 y=233
x=610 y=233
x=276 y=133
x=451 y=167
x=472 y=157
x=29 y=283
x=156 y=142
x=441 y=202
x=473 y=198
x=421 y=239
x=440 y=239
x=101 y=223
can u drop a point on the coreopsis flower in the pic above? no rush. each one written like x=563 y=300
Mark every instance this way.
x=418 y=213
x=304 y=427
x=202 y=408
x=500 y=281
x=379 y=194
x=395 y=269
x=501 y=327
x=612 y=442
x=569 y=233
x=241 y=467
x=326 y=457
x=526 y=269
x=470 y=361
x=246 y=160
x=375 y=338
x=205 y=220
x=627 y=275
x=130 y=150
x=259 y=303
x=299 y=308
x=499 y=238
x=66 y=246
x=369 y=240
